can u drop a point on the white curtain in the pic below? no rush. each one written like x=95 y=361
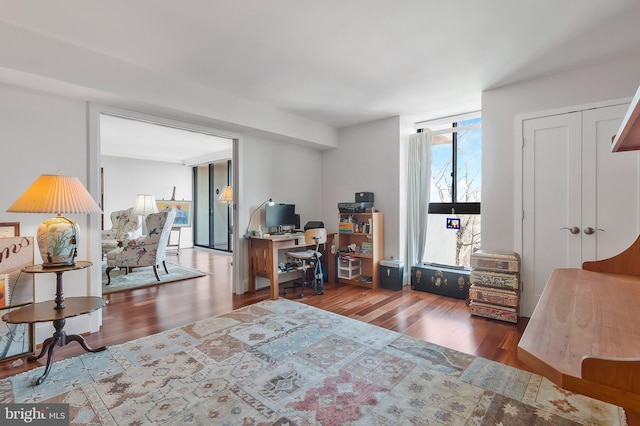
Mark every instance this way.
x=418 y=188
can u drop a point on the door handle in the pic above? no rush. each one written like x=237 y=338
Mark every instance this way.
x=574 y=229
x=589 y=230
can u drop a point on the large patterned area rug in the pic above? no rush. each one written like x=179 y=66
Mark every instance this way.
x=144 y=277
x=286 y=363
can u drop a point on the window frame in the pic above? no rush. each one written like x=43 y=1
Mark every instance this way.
x=455 y=207
x=464 y=242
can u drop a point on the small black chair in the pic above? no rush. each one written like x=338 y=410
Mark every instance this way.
x=310 y=260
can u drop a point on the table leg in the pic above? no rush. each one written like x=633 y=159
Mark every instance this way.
x=272 y=271
x=59 y=293
x=83 y=343
x=60 y=338
x=252 y=268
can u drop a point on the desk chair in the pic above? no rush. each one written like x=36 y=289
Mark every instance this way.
x=310 y=260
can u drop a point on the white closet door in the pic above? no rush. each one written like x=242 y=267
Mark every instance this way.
x=551 y=200
x=611 y=184
x=581 y=201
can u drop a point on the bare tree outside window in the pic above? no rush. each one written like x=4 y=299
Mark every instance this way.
x=456 y=156
x=468 y=236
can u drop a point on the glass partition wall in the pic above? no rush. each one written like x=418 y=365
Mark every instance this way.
x=213 y=218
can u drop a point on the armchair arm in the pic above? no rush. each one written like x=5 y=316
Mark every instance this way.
x=131 y=242
x=131 y=235
x=135 y=242
x=109 y=234
x=137 y=255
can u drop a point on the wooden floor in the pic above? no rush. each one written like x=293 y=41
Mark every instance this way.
x=442 y=320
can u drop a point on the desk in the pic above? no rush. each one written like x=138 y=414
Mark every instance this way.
x=584 y=336
x=263 y=258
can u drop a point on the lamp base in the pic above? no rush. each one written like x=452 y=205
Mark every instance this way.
x=58 y=241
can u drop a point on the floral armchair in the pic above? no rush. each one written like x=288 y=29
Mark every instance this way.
x=148 y=250
x=124 y=227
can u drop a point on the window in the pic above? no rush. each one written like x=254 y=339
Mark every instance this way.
x=455 y=192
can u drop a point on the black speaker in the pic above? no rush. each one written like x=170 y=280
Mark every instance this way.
x=364 y=197
x=313 y=225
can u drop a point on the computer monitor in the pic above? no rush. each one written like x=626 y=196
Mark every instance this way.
x=281 y=215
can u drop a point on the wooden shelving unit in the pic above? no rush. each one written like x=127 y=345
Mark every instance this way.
x=628 y=137
x=364 y=231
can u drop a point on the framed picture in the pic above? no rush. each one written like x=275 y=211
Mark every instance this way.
x=9 y=229
x=17 y=290
x=183 y=208
x=453 y=223
x=15 y=254
x=16 y=340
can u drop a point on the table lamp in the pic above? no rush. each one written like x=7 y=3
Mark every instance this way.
x=247 y=235
x=145 y=205
x=57 y=237
x=227 y=195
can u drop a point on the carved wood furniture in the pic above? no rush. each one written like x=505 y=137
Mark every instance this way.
x=56 y=311
x=584 y=334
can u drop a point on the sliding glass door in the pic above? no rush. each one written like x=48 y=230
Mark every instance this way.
x=213 y=219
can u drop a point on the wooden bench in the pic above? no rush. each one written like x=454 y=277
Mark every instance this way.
x=584 y=334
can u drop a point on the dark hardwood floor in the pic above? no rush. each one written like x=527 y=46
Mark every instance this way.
x=441 y=320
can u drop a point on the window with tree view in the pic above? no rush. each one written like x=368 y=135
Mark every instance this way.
x=455 y=192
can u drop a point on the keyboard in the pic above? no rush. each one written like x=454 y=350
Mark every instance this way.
x=289 y=232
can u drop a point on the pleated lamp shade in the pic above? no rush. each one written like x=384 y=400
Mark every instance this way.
x=57 y=237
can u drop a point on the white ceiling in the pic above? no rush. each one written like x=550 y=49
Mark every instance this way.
x=123 y=137
x=344 y=62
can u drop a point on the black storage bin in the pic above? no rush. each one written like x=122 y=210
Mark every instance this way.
x=391 y=274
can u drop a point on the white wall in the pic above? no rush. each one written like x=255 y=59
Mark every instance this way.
x=614 y=80
x=124 y=178
x=287 y=173
x=43 y=134
x=81 y=71
x=367 y=159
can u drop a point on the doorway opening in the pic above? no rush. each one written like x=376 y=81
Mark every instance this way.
x=141 y=154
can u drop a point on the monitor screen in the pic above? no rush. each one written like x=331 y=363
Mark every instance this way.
x=280 y=215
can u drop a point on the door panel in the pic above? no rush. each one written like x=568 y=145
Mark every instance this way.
x=202 y=206
x=213 y=219
x=617 y=188
x=551 y=200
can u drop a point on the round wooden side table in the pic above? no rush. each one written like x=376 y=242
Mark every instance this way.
x=57 y=311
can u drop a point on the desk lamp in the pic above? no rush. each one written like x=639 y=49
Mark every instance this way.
x=57 y=237
x=247 y=235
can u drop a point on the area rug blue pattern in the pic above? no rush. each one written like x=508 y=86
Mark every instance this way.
x=144 y=277
x=286 y=363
